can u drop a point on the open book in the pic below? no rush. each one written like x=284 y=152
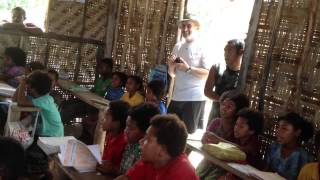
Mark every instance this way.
x=72 y=152
x=253 y=172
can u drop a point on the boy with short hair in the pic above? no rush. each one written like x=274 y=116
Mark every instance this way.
x=155 y=93
x=162 y=152
x=38 y=85
x=138 y=122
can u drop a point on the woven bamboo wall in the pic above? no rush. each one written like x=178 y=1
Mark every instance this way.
x=145 y=34
x=73 y=56
x=85 y=19
x=284 y=70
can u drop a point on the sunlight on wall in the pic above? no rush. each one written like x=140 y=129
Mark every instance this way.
x=220 y=22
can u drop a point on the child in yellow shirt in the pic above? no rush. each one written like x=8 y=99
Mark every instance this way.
x=133 y=88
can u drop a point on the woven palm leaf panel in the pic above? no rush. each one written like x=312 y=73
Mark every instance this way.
x=65 y=18
x=96 y=19
x=35 y=47
x=87 y=19
x=145 y=30
x=274 y=81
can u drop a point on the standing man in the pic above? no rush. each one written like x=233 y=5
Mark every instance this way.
x=190 y=69
x=217 y=82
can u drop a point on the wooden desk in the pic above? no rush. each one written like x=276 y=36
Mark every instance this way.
x=6 y=92
x=196 y=146
x=60 y=172
x=92 y=99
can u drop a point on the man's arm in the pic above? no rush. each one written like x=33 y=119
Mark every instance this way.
x=210 y=83
x=201 y=73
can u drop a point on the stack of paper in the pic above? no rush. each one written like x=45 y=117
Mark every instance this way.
x=72 y=153
x=257 y=174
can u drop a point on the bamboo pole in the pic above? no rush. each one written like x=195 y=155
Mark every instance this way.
x=306 y=51
x=273 y=35
x=112 y=24
x=249 y=45
x=115 y=39
x=126 y=42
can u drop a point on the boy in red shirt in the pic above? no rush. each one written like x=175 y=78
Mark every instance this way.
x=162 y=152
x=114 y=123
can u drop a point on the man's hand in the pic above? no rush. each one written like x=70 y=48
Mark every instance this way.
x=182 y=66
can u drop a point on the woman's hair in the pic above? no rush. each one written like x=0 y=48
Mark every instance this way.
x=170 y=132
x=157 y=88
x=17 y=55
x=119 y=112
x=299 y=123
x=239 y=99
x=40 y=81
x=254 y=119
x=138 y=80
x=123 y=77
x=239 y=45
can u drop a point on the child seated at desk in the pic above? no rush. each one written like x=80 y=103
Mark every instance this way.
x=310 y=171
x=118 y=83
x=138 y=122
x=103 y=81
x=231 y=102
x=14 y=65
x=38 y=85
x=162 y=152
x=287 y=157
x=134 y=86
x=114 y=124
x=155 y=93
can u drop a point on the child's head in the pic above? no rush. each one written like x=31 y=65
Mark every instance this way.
x=35 y=65
x=138 y=121
x=249 y=122
x=38 y=83
x=119 y=79
x=231 y=102
x=134 y=84
x=166 y=138
x=293 y=128
x=11 y=158
x=14 y=56
x=154 y=91
x=54 y=76
x=104 y=66
x=116 y=116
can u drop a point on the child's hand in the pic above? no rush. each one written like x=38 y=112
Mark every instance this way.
x=21 y=79
x=105 y=168
x=210 y=137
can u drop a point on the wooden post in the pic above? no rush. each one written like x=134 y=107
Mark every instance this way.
x=78 y=60
x=306 y=51
x=115 y=39
x=126 y=42
x=112 y=24
x=142 y=36
x=249 y=45
x=273 y=35
x=171 y=86
x=164 y=33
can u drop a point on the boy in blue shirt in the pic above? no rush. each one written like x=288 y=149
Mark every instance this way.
x=38 y=85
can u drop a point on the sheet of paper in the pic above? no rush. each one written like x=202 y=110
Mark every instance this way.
x=95 y=150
